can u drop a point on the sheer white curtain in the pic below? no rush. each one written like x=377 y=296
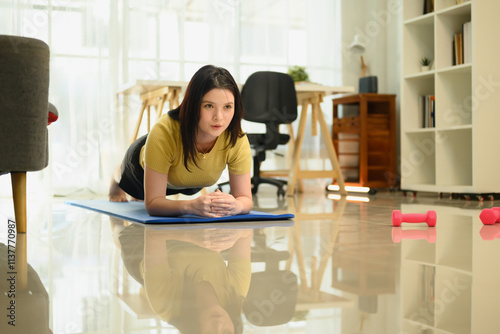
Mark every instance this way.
x=99 y=45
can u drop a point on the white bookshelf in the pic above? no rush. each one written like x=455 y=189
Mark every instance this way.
x=457 y=155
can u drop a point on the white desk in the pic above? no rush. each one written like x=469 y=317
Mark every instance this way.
x=156 y=93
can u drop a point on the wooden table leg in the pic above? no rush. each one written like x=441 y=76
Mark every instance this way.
x=139 y=120
x=292 y=144
x=290 y=190
x=315 y=108
x=149 y=118
x=325 y=133
x=173 y=98
x=159 y=107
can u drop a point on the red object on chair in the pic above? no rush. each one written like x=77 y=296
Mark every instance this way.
x=53 y=114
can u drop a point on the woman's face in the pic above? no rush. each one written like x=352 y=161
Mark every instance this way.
x=217 y=111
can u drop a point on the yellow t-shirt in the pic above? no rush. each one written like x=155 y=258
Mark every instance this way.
x=163 y=153
x=188 y=265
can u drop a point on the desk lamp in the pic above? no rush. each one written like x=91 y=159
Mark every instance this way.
x=366 y=84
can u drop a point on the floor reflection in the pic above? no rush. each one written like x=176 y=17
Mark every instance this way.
x=184 y=277
x=24 y=299
x=338 y=267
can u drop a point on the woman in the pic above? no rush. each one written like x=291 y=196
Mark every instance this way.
x=195 y=279
x=188 y=149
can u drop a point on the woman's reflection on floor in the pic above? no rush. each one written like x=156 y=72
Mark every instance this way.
x=186 y=279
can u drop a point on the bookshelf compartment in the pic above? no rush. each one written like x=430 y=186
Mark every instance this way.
x=454 y=157
x=448 y=24
x=414 y=89
x=420 y=251
x=450 y=252
x=411 y=327
x=413 y=9
x=418 y=42
x=454 y=92
x=453 y=301
x=442 y=5
x=418 y=158
x=418 y=299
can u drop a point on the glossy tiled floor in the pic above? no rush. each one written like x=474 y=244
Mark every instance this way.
x=338 y=267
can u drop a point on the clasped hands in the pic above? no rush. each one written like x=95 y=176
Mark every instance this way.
x=217 y=204
x=217 y=239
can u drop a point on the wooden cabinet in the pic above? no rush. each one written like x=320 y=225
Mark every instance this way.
x=364 y=136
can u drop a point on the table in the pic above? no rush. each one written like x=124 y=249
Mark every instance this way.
x=310 y=94
x=156 y=93
x=153 y=93
x=374 y=128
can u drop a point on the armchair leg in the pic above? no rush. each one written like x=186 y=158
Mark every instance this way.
x=19 y=196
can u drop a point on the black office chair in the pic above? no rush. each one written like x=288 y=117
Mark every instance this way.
x=268 y=98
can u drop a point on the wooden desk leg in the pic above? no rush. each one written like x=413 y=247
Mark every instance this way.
x=173 y=102
x=292 y=145
x=159 y=108
x=18 y=180
x=290 y=203
x=325 y=133
x=314 y=116
x=300 y=257
x=149 y=118
x=314 y=277
x=139 y=120
x=290 y=190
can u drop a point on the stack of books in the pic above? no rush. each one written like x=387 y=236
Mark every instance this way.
x=462 y=45
x=427 y=110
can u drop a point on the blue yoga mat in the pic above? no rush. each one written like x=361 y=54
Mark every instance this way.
x=136 y=212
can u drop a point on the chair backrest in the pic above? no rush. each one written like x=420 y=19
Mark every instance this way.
x=270 y=98
x=24 y=90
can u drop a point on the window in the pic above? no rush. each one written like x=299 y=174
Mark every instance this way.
x=99 y=45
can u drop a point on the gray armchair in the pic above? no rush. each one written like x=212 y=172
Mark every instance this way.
x=24 y=112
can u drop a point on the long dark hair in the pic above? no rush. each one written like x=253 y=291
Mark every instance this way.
x=204 y=80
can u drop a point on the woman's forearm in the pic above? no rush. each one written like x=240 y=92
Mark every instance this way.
x=165 y=207
x=246 y=204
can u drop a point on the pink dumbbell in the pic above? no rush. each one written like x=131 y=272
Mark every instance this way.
x=429 y=218
x=428 y=234
x=490 y=216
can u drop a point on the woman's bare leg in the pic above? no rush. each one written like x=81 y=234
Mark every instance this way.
x=116 y=194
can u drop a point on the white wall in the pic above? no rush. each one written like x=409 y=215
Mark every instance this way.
x=379 y=23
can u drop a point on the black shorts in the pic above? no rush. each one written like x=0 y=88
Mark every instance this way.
x=132 y=178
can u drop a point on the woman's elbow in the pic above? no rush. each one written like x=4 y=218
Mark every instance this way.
x=151 y=208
